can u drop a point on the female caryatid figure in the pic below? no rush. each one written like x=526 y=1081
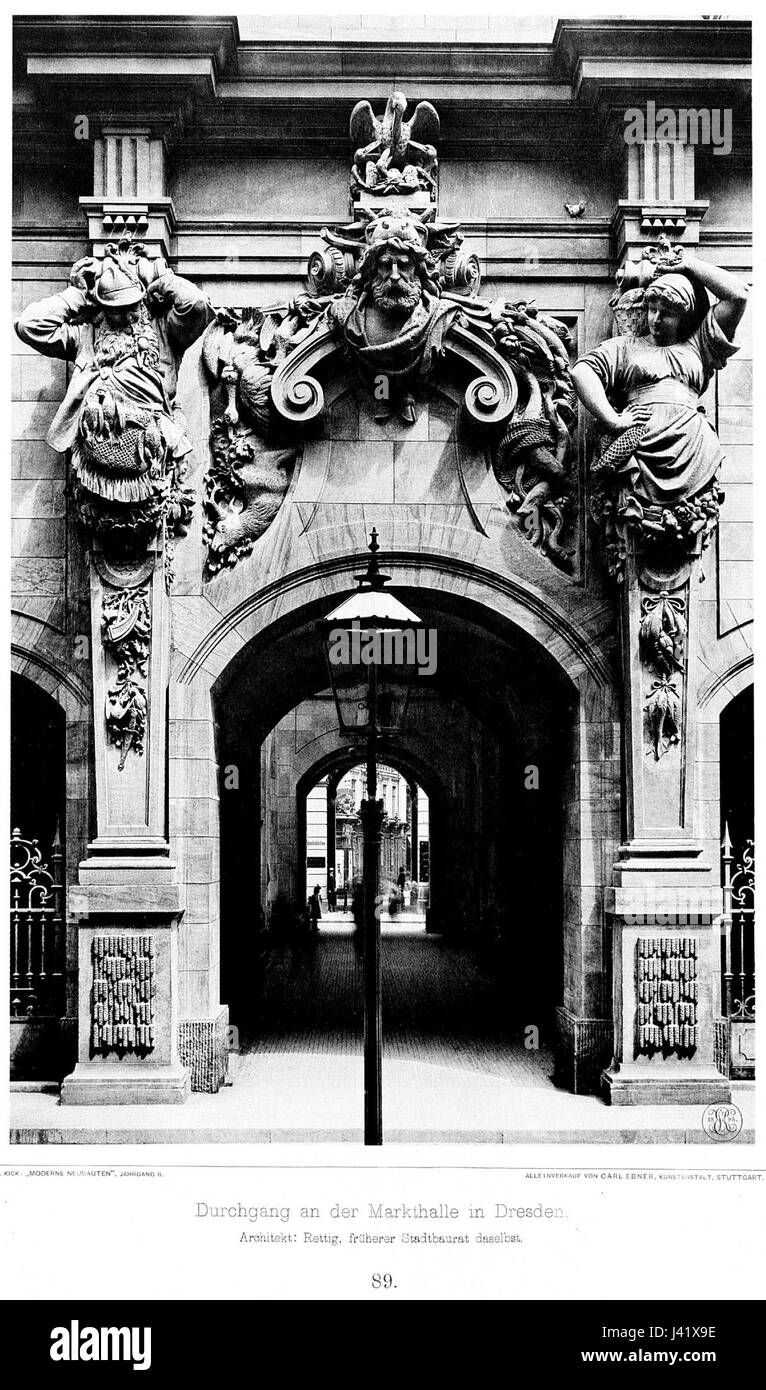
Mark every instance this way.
x=645 y=388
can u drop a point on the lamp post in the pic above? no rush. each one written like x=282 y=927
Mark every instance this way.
x=364 y=638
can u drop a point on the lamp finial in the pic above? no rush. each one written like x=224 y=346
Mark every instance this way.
x=372 y=578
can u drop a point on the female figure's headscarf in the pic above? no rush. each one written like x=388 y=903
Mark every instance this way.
x=676 y=290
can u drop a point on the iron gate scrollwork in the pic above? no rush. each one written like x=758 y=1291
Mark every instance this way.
x=37 y=929
x=738 y=959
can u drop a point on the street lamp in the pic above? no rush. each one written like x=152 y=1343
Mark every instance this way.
x=370 y=644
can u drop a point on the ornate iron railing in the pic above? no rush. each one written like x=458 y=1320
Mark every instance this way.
x=37 y=929
x=738 y=925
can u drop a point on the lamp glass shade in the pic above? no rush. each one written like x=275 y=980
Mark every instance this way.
x=359 y=652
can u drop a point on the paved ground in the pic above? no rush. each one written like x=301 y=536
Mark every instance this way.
x=440 y=1009
x=453 y=1069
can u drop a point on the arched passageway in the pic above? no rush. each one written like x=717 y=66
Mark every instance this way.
x=492 y=738
x=38 y=766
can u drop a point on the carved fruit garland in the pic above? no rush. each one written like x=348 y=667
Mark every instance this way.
x=126 y=627
x=661 y=639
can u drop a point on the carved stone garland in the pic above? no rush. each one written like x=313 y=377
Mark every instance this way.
x=661 y=637
x=126 y=628
x=252 y=462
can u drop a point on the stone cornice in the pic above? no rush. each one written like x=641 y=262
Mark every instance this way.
x=592 y=51
x=669 y=39
x=143 y=36
x=194 y=79
x=575 y=39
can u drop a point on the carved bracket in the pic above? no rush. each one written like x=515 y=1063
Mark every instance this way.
x=491 y=397
x=295 y=392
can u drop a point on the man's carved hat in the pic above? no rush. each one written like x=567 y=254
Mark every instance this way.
x=391 y=225
x=115 y=289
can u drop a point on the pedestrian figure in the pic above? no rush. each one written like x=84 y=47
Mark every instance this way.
x=332 y=896
x=315 y=910
x=345 y=897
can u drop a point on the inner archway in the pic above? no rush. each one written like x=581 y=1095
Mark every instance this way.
x=331 y=841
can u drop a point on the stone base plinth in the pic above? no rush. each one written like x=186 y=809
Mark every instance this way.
x=583 y=1047
x=91 y=1084
x=203 y=1046
x=35 y=1048
x=734 y=1051
x=671 y=1086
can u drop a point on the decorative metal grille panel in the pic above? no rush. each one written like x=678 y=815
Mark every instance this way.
x=37 y=929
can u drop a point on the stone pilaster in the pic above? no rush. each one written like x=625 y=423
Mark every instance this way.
x=127 y=900
x=664 y=905
x=130 y=652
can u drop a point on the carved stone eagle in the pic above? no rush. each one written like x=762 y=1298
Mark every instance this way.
x=402 y=142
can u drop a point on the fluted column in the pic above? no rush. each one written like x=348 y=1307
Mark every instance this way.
x=658 y=197
x=130 y=189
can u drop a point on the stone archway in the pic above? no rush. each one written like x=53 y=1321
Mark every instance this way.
x=557 y=716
